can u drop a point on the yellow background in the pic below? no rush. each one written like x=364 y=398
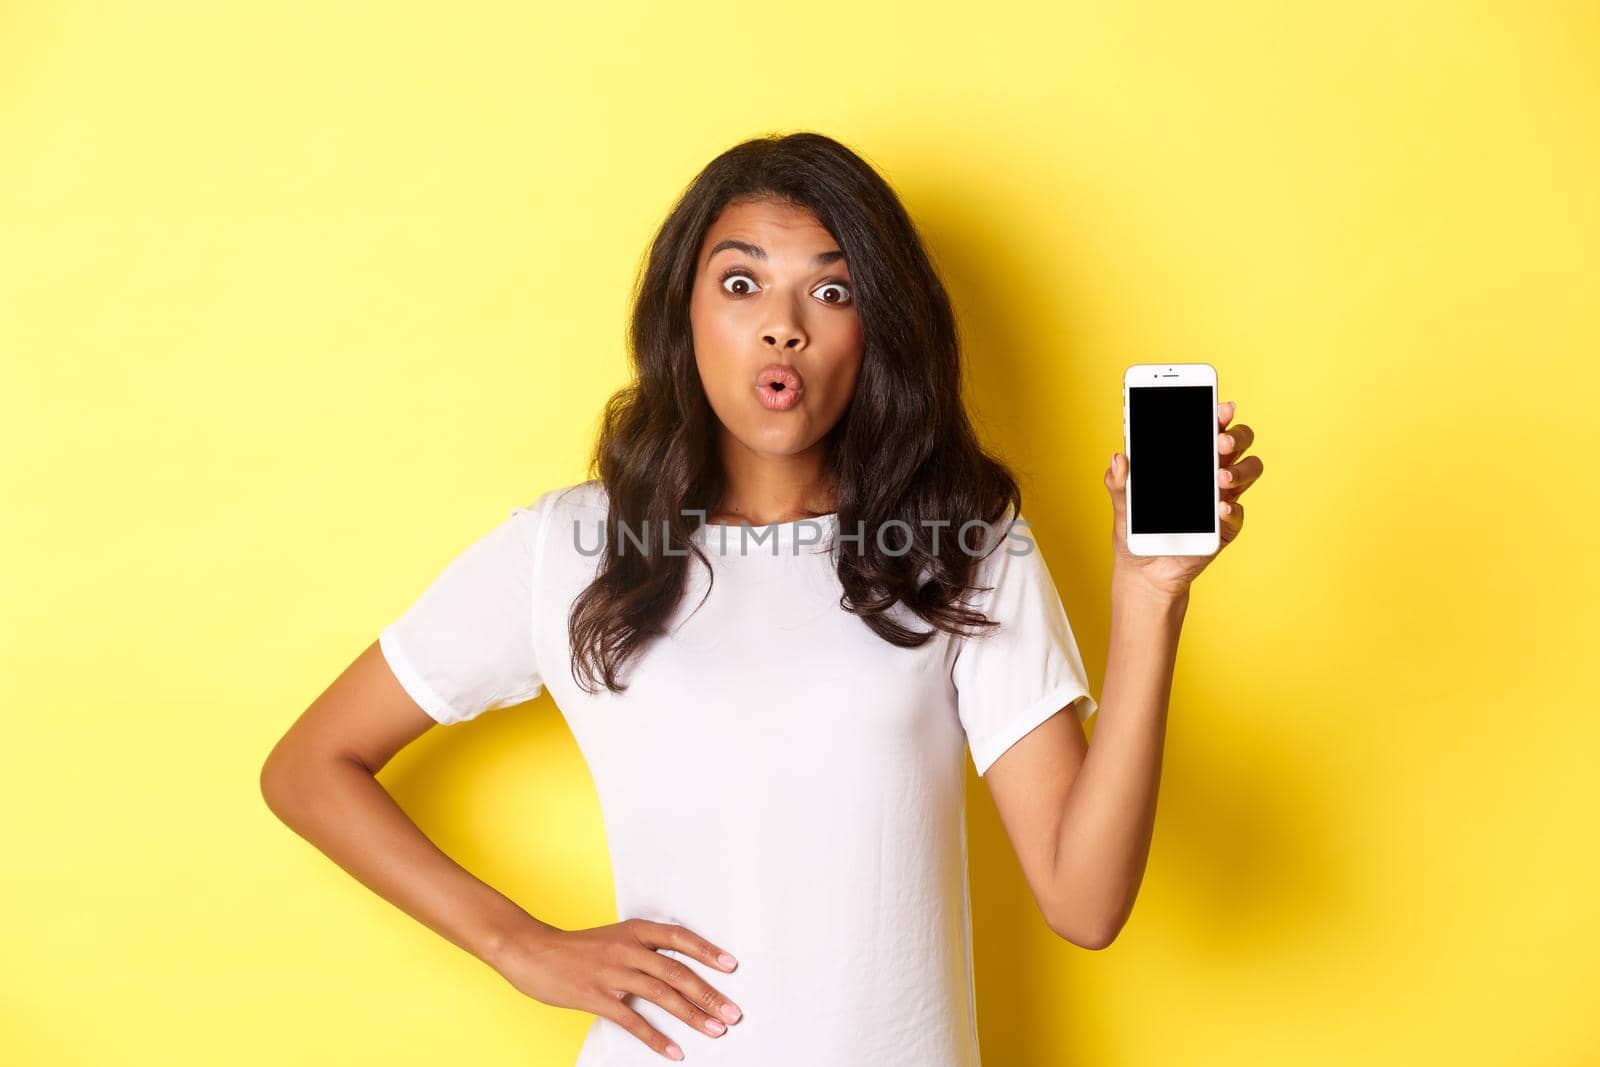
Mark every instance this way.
x=298 y=299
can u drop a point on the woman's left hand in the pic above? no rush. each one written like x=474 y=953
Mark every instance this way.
x=1172 y=574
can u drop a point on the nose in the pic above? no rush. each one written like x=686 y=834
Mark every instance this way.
x=785 y=334
x=787 y=340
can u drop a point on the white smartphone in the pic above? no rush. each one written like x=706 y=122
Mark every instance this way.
x=1169 y=430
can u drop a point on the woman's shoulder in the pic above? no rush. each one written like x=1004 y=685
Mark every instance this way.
x=551 y=520
x=579 y=499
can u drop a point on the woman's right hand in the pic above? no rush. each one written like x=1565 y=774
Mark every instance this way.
x=593 y=970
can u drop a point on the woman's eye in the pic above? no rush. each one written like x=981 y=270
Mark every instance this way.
x=841 y=292
x=843 y=289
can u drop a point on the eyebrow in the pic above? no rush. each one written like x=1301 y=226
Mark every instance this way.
x=757 y=252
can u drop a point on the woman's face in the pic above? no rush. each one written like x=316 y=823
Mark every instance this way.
x=771 y=286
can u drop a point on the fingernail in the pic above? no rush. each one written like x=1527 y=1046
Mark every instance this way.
x=715 y=1026
x=731 y=1013
x=727 y=961
x=1226 y=508
x=675 y=1052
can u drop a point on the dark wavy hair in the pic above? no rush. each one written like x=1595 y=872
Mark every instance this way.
x=903 y=449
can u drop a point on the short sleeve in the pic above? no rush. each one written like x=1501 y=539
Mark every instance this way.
x=1013 y=678
x=466 y=644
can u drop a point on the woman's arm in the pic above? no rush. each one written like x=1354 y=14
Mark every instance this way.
x=320 y=780
x=1081 y=818
x=1108 y=817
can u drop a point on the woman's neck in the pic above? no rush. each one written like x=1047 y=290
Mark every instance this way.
x=768 y=504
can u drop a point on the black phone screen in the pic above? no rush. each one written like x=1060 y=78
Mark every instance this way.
x=1171 y=431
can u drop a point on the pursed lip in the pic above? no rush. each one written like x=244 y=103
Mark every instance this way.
x=780 y=373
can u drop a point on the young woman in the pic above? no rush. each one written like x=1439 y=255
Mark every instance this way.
x=794 y=597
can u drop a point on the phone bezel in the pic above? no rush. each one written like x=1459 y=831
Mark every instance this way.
x=1156 y=376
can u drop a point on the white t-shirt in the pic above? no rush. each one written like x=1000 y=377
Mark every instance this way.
x=777 y=777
